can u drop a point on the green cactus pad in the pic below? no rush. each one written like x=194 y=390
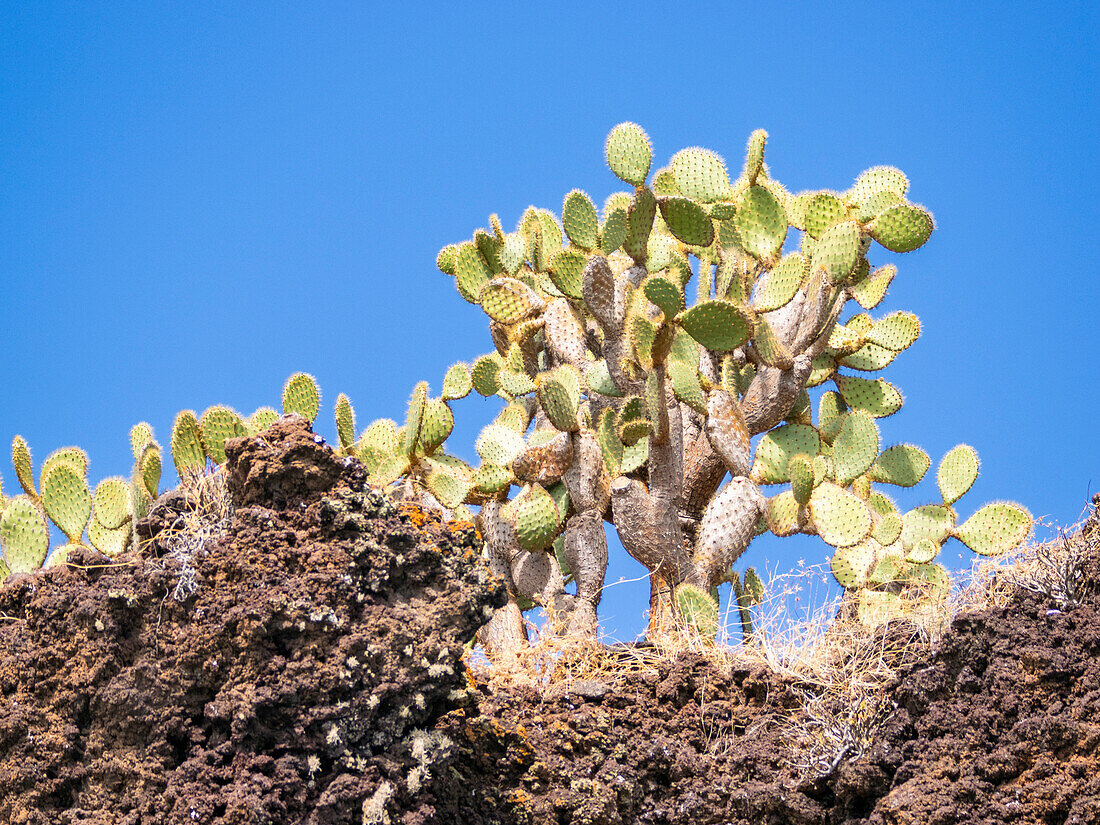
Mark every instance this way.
x=24 y=535
x=634 y=430
x=869 y=358
x=822 y=211
x=73 y=457
x=878 y=397
x=509 y=300
x=869 y=292
x=414 y=418
x=515 y=384
x=345 y=421
x=67 y=500
x=485 y=374
x=380 y=435
x=851 y=565
x=698 y=610
x=613 y=230
x=830 y=415
x=771 y=350
x=457 y=382
x=611 y=446
x=903 y=465
x=838 y=250
x=445 y=260
x=995 y=529
x=664 y=182
x=261 y=419
x=801 y=471
x=957 y=472
x=883 y=505
x=140 y=435
x=686 y=386
x=782 y=514
x=931 y=521
x=875 y=204
x=761 y=223
x=566 y=272
x=449 y=490
x=389 y=470
x=687 y=221
x=471 y=272
x=536 y=518
x=935 y=577
x=629 y=153
x=301 y=395
x=578 y=216
x=599 y=380
x=855 y=447
x=840 y=518
x=923 y=551
x=217 y=424
x=488 y=246
x=902 y=227
x=754 y=156
x=107 y=541
x=888 y=529
x=664 y=294
x=879 y=179
x=188 y=453
x=700 y=174
x=111 y=502
x=559 y=396
x=897 y=331
x=781 y=284
x=499 y=445
x=777 y=447
x=513 y=252
x=438 y=423
x=148 y=469
x=21 y=460
x=491 y=479
x=514 y=416
x=717 y=325
x=639 y=224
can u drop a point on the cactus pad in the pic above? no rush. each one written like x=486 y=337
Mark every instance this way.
x=851 y=565
x=717 y=325
x=414 y=418
x=140 y=435
x=629 y=153
x=700 y=174
x=888 y=529
x=781 y=284
x=301 y=395
x=509 y=300
x=559 y=394
x=21 y=460
x=67 y=501
x=869 y=292
x=777 y=447
x=931 y=521
x=536 y=518
x=957 y=472
x=902 y=227
x=687 y=221
x=698 y=610
x=897 y=331
x=761 y=223
x=822 y=210
x=840 y=518
x=903 y=465
x=566 y=272
x=878 y=397
x=471 y=272
x=838 y=250
x=24 y=535
x=855 y=447
x=111 y=502
x=995 y=528
x=345 y=421
x=499 y=445
x=216 y=425
x=578 y=216
x=188 y=453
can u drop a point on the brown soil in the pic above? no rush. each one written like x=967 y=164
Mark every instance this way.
x=314 y=675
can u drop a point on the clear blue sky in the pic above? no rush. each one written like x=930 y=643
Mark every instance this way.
x=198 y=199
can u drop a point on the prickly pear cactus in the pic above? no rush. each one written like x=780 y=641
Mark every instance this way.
x=631 y=403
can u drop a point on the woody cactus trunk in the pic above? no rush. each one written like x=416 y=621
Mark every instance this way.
x=625 y=404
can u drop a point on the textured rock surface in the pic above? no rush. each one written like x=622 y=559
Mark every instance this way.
x=314 y=676
x=326 y=629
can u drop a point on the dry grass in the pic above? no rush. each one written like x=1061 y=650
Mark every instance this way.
x=205 y=520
